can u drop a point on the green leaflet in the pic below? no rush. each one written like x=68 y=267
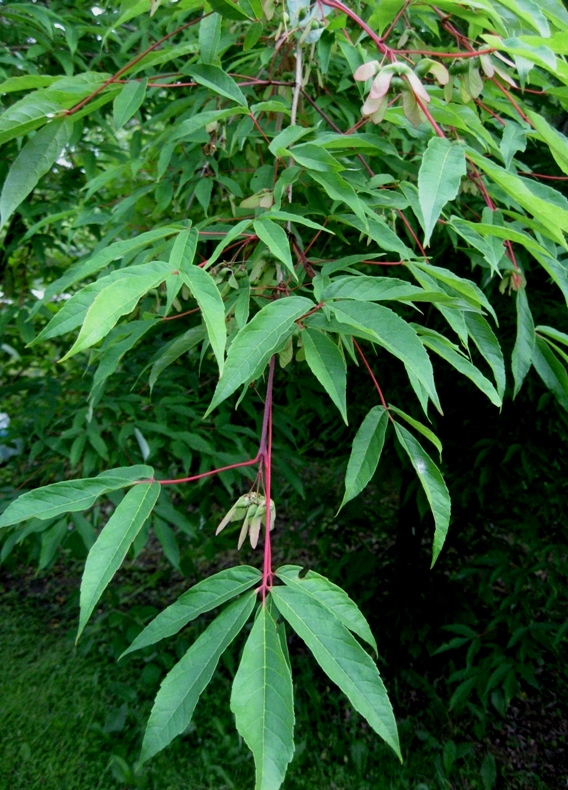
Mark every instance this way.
x=439 y=178
x=228 y=9
x=544 y=203
x=557 y=271
x=392 y=332
x=469 y=229
x=288 y=216
x=366 y=288
x=174 y=350
x=256 y=342
x=314 y=157
x=181 y=256
x=287 y=137
x=418 y=426
x=69 y=496
x=341 y=657
x=555 y=140
x=34 y=160
x=217 y=80
x=433 y=484
x=489 y=348
x=262 y=700
x=490 y=247
x=454 y=318
x=110 y=548
x=332 y=597
x=73 y=313
x=276 y=240
x=514 y=140
x=115 y=299
x=202 y=597
x=365 y=452
x=447 y=351
x=555 y=334
x=326 y=362
x=551 y=370
x=236 y=231
x=526 y=55
x=19 y=535
x=168 y=541
x=26 y=115
x=529 y=12
x=384 y=14
x=50 y=541
x=339 y=189
x=117 y=343
x=377 y=229
x=205 y=292
x=26 y=82
x=200 y=121
x=466 y=288
x=128 y=101
x=254 y=32
x=209 y=38
x=182 y=686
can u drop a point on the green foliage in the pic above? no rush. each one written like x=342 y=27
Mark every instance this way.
x=194 y=196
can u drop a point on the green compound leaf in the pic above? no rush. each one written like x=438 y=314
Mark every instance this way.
x=326 y=362
x=253 y=346
x=262 y=700
x=34 y=160
x=439 y=178
x=202 y=597
x=341 y=657
x=109 y=550
x=433 y=484
x=276 y=240
x=182 y=686
x=71 y=496
x=365 y=452
x=332 y=597
x=523 y=349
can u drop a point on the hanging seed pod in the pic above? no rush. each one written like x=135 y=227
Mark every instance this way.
x=255 y=525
